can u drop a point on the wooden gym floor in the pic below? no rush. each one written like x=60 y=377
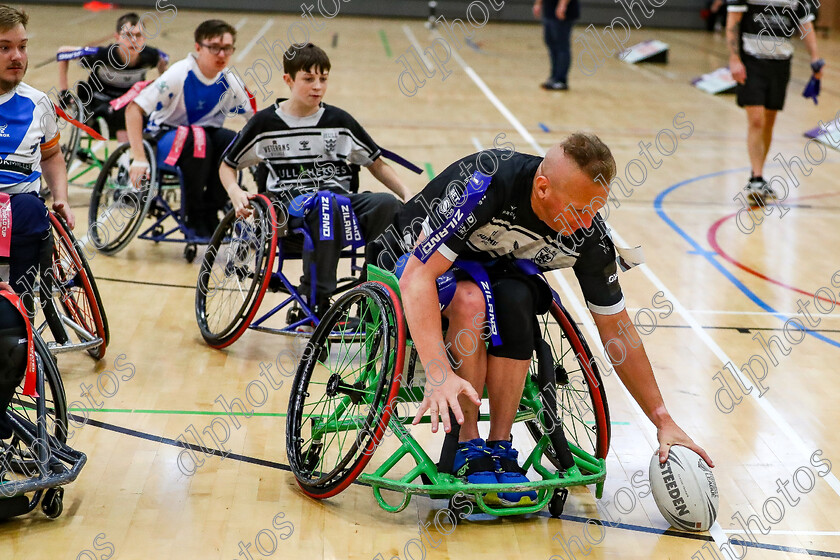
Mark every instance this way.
x=727 y=289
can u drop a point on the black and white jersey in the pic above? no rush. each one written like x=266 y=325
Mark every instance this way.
x=320 y=152
x=503 y=225
x=768 y=25
x=109 y=77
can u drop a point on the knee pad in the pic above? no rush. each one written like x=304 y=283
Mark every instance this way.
x=518 y=301
x=13 y=351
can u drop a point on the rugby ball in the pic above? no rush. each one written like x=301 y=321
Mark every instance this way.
x=684 y=489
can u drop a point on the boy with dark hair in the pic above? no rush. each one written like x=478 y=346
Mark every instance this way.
x=187 y=106
x=310 y=146
x=113 y=69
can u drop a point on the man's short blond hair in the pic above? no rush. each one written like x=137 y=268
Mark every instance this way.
x=591 y=155
x=10 y=17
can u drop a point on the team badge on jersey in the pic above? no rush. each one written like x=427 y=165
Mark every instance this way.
x=3 y=128
x=330 y=138
x=545 y=256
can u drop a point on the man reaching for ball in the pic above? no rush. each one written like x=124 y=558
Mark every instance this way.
x=514 y=214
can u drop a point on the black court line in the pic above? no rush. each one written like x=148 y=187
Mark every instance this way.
x=142 y=283
x=574 y=518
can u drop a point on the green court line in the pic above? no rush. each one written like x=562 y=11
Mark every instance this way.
x=385 y=44
x=429 y=171
x=210 y=413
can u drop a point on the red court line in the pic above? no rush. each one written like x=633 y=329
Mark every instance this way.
x=711 y=237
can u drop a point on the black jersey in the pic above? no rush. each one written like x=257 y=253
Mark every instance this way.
x=768 y=25
x=116 y=81
x=504 y=225
x=322 y=151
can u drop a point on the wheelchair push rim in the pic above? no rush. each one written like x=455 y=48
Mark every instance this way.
x=117 y=209
x=76 y=289
x=235 y=273
x=343 y=391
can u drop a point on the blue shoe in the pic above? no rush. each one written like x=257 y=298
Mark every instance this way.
x=508 y=471
x=474 y=465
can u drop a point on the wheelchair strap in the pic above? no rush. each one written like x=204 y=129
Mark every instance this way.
x=29 y=388
x=324 y=201
x=92 y=133
x=128 y=97
x=181 y=135
x=397 y=158
x=78 y=53
x=5 y=224
x=475 y=188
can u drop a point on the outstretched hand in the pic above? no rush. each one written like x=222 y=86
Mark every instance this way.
x=443 y=397
x=671 y=434
x=63 y=210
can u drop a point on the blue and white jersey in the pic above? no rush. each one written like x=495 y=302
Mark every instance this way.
x=183 y=96
x=28 y=125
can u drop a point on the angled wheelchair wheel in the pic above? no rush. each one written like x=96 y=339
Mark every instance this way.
x=71 y=282
x=70 y=146
x=235 y=273
x=117 y=209
x=16 y=455
x=581 y=399
x=342 y=396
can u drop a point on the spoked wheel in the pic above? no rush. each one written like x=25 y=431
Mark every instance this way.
x=70 y=146
x=17 y=456
x=581 y=400
x=117 y=208
x=341 y=400
x=235 y=273
x=71 y=280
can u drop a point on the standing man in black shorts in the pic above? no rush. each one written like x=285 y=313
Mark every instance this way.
x=758 y=33
x=500 y=208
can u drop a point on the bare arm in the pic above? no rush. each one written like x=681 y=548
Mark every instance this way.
x=238 y=197
x=537 y=9
x=162 y=65
x=561 y=9
x=810 y=40
x=55 y=174
x=386 y=175
x=422 y=313
x=63 y=65
x=733 y=22
x=134 y=129
x=637 y=375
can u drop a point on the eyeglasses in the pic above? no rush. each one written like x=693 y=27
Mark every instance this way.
x=216 y=49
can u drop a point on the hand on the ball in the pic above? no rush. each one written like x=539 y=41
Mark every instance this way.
x=671 y=434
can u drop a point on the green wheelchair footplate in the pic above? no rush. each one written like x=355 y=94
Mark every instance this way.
x=587 y=468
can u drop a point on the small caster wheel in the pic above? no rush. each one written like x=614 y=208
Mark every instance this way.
x=53 y=503
x=558 y=502
x=190 y=251
x=461 y=506
x=294 y=314
x=157 y=232
x=312 y=457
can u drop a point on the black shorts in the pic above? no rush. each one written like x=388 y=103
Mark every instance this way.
x=766 y=83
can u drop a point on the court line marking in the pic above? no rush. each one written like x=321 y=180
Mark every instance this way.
x=384 y=38
x=266 y=26
x=730 y=312
x=774 y=532
x=764 y=404
x=283 y=467
x=477 y=144
x=241 y=23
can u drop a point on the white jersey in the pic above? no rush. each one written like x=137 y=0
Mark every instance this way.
x=183 y=96
x=28 y=125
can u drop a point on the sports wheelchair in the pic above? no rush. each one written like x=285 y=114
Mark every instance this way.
x=118 y=209
x=67 y=294
x=348 y=390
x=244 y=260
x=80 y=150
x=35 y=460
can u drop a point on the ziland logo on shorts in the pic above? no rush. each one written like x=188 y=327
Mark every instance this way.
x=3 y=130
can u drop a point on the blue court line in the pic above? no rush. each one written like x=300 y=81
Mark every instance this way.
x=543 y=127
x=710 y=256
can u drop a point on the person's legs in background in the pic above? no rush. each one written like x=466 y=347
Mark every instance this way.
x=557 y=34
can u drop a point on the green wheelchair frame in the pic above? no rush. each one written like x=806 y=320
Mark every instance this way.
x=80 y=146
x=330 y=439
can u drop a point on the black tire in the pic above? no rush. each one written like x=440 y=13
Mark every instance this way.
x=558 y=502
x=360 y=399
x=77 y=290
x=52 y=503
x=116 y=208
x=581 y=399
x=16 y=454
x=235 y=273
x=70 y=145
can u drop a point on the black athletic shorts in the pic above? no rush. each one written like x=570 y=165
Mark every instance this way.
x=766 y=83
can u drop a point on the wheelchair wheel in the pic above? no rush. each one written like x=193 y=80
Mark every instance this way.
x=76 y=288
x=16 y=455
x=581 y=400
x=235 y=273
x=341 y=400
x=70 y=146
x=117 y=209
